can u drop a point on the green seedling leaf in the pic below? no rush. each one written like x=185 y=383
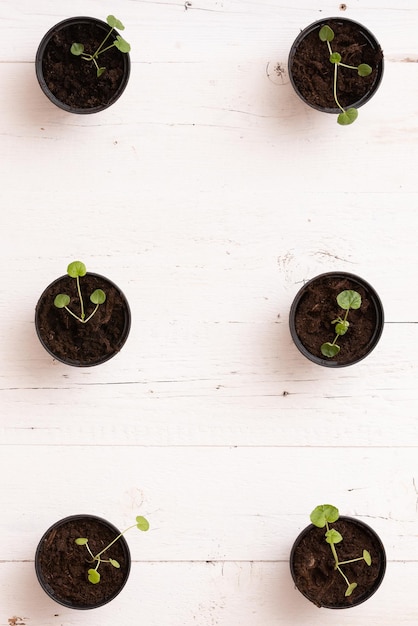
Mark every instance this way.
x=342 y=327
x=93 y=576
x=364 y=69
x=330 y=349
x=98 y=296
x=367 y=557
x=61 y=300
x=324 y=513
x=76 y=268
x=100 y=71
x=335 y=58
x=114 y=563
x=350 y=589
x=114 y=22
x=81 y=541
x=333 y=536
x=326 y=33
x=349 y=299
x=121 y=44
x=347 y=117
x=142 y=523
x=77 y=49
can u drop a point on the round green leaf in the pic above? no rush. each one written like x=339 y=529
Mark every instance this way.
x=94 y=576
x=335 y=58
x=77 y=49
x=367 y=557
x=121 y=44
x=342 y=327
x=350 y=589
x=324 y=513
x=330 y=349
x=98 y=296
x=326 y=33
x=114 y=563
x=142 y=523
x=333 y=536
x=347 y=117
x=81 y=541
x=364 y=69
x=76 y=268
x=61 y=300
x=100 y=71
x=114 y=22
x=349 y=299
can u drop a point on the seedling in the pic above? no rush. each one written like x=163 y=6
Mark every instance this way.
x=347 y=116
x=62 y=300
x=324 y=515
x=347 y=300
x=78 y=48
x=93 y=575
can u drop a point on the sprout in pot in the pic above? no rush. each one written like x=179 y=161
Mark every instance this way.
x=79 y=49
x=324 y=515
x=70 y=553
x=83 y=65
x=82 y=318
x=341 y=567
x=347 y=116
x=336 y=66
x=348 y=299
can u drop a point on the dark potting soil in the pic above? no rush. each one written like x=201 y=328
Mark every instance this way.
x=318 y=307
x=313 y=73
x=71 y=340
x=314 y=572
x=64 y=564
x=73 y=80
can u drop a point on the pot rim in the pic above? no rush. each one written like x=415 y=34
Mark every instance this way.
x=45 y=586
x=40 y=75
x=372 y=294
x=369 y=36
x=382 y=557
x=107 y=357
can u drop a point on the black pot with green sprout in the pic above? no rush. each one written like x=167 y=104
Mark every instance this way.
x=82 y=319
x=83 y=65
x=336 y=66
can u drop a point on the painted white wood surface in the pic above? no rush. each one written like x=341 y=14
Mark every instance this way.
x=209 y=193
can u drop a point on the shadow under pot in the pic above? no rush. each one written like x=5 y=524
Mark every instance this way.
x=62 y=566
x=313 y=569
x=323 y=313
x=93 y=342
x=71 y=82
x=312 y=74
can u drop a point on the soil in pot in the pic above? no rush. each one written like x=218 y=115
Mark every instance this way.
x=318 y=307
x=313 y=569
x=62 y=565
x=313 y=74
x=72 y=342
x=72 y=80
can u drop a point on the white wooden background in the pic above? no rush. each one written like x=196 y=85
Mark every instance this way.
x=209 y=193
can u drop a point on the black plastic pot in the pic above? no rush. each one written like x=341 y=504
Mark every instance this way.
x=48 y=551
x=356 y=283
x=359 y=595
x=46 y=48
x=48 y=320
x=369 y=39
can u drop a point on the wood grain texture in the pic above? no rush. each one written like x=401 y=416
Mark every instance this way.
x=209 y=193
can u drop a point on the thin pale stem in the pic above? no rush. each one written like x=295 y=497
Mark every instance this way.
x=360 y=558
x=83 y=315
x=73 y=314
x=114 y=541
x=91 y=314
x=335 y=88
x=99 y=49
